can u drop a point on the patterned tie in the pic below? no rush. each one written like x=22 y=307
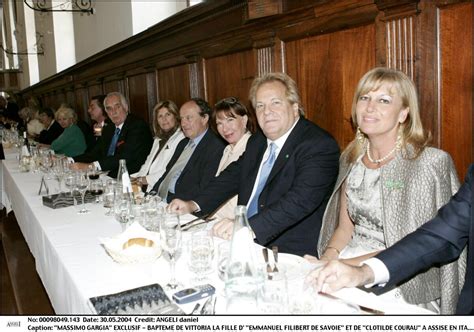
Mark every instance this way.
x=113 y=143
x=169 y=182
x=266 y=168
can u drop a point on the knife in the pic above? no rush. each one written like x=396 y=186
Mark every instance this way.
x=361 y=307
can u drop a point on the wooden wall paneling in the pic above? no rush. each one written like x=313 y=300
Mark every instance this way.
x=82 y=101
x=230 y=75
x=111 y=86
x=152 y=93
x=138 y=95
x=327 y=69
x=173 y=84
x=197 y=87
x=95 y=89
x=400 y=34
x=457 y=82
x=265 y=60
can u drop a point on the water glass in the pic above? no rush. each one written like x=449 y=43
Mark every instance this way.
x=109 y=196
x=170 y=240
x=273 y=295
x=223 y=253
x=201 y=254
x=122 y=208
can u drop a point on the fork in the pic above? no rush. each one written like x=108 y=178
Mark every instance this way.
x=269 y=268
x=275 y=257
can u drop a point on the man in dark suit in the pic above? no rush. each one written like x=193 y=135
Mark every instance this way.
x=197 y=157
x=439 y=241
x=285 y=176
x=129 y=138
x=52 y=128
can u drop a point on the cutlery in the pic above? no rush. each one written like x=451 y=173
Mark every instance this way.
x=361 y=307
x=214 y=305
x=196 y=308
x=269 y=268
x=205 y=308
x=275 y=257
x=195 y=219
x=188 y=226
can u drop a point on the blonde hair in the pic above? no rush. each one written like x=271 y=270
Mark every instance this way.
x=412 y=131
x=292 y=93
x=67 y=112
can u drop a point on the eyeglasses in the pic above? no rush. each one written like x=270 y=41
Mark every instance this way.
x=226 y=103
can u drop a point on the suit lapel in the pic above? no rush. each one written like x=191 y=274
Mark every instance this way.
x=197 y=152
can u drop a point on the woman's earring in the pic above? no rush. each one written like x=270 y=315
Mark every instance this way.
x=360 y=137
x=399 y=142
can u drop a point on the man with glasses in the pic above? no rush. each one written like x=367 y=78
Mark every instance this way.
x=284 y=177
x=197 y=156
x=129 y=138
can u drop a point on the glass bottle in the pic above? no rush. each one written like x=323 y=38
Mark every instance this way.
x=242 y=279
x=124 y=178
x=24 y=158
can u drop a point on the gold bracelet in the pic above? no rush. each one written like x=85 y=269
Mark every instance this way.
x=337 y=250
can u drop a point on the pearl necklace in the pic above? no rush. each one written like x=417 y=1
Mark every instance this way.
x=378 y=161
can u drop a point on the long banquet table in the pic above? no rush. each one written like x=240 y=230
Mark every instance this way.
x=74 y=266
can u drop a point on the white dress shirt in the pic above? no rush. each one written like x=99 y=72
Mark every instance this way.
x=279 y=142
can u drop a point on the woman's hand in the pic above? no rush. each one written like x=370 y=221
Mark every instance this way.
x=223 y=228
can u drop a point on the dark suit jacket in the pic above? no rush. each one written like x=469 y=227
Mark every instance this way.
x=200 y=169
x=439 y=241
x=133 y=145
x=88 y=134
x=47 y=136
x=292 y=203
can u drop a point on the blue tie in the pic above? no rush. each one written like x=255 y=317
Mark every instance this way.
x=113 y=143
x=266 y=168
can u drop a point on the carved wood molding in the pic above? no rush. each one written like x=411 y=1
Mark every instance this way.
x=400 y=44
x=393 y=9
x=263 y=8
x=265 y=61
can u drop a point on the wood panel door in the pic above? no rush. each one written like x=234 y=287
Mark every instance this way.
x=327 y=69
x=230 y=75
x=174 y=84
x=457 y=82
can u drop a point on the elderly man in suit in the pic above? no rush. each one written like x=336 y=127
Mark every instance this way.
x=285 y=176
x=439 y=241
x=129 y=138
x=197 y=157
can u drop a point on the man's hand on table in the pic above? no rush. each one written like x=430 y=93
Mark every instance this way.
x=80 y=166
x=182 y=207
x=223 y=228
x=336 y=275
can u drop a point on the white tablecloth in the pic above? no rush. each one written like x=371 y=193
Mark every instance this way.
x=75 y=267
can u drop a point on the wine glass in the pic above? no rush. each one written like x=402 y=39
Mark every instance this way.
x=96 y=189
x=70 y=181
x=59 y=172
x=82 y=184
x=170 y=240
